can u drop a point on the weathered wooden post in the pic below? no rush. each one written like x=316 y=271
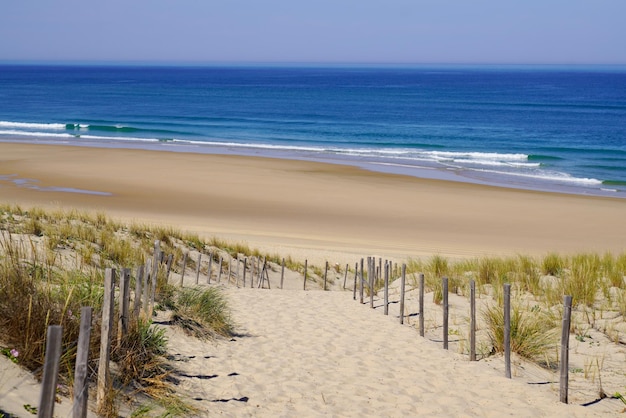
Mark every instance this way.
x=507 y=330
x=198 y=267
x=564 y=365
x=81 y=387
x=356 y=276
x=50 y=371
x=325 y=275
x=402 y=281
x=210 y=270
x=230 y=265
x=138 y=291
x=282 y=273
x=252 y=273
x=472 y=320
x=219 y=270
x=444 y=286
x=155 y=260
x=371 y=276
x=245 y=266
x=386 y=289
x=261 y=275
x=305 y=270
x=168 y=265
x=104 y=379
x=182 y=275
x=122 y=328
x=345 y=278
x=237 y=280
x=421 y=301
x=146 y=290
x=362 y=283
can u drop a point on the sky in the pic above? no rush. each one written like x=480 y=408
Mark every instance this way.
x=315 y=31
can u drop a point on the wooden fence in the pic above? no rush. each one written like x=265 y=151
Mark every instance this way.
x=143 y=305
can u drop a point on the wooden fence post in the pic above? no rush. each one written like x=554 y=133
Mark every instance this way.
x=386 y=289
x=305 y=270
x=182 y=275
x=156 y=261
x=81 y=387
x=198 y=267
x=124 y=303
x=325 y=275
x=237 y=280
x=472 y=320
x=50 y=371
x=564 y=364
x=361 y=285
x=356 y=276
x=345 y=277
x=245 y=266
x=209 y=273
x=219 y=270
x=444 y=291
x=230 y=265
x=421 y=300
x=282 y=274
x=371 y=277
x=104 y=380
x=146 y=290
x=170 y=259
x=252 y=266
x=402 y=279
x=138 y=292
x=507 y=330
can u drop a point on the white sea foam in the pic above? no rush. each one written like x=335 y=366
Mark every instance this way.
x=36 y=134
x=550 y=176
x=475 y=156
x=25 y=125
x=497 y=163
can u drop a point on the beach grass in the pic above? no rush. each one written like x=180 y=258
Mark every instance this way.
x=52 y=263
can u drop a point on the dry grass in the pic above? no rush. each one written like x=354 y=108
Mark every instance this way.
x=51 y=265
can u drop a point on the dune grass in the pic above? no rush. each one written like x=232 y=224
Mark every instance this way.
x=596 y=282
x=533 y=331
x=52 y=264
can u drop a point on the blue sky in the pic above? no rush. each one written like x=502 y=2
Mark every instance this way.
x=316 y=31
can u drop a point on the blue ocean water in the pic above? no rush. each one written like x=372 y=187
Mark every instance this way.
x=543 y=128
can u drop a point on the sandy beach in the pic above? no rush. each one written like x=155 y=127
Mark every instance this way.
x=312 y=353
x=309 y=210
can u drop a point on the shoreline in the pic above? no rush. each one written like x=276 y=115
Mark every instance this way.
x=309 y=209
x=409 y=167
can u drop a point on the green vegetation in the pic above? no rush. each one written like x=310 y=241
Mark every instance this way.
x=596 y=283
x=52 y=264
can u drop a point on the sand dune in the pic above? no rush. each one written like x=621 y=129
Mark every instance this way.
x=313 y=353
x=321 y=354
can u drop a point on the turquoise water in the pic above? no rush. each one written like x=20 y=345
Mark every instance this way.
x=543 y=128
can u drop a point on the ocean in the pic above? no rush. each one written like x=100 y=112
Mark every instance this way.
x=560 y=129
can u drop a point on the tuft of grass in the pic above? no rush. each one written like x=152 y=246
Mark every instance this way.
x=583 y=279
x=203 y=312
x=553 y=264
x=533 y=332
x=141 y=354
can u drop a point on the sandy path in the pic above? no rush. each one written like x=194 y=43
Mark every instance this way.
x=321 y=354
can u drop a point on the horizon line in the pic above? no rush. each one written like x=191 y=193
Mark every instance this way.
x=303 y=64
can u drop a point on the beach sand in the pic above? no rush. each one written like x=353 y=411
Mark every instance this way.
x=313 y=353
x=310 y=210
